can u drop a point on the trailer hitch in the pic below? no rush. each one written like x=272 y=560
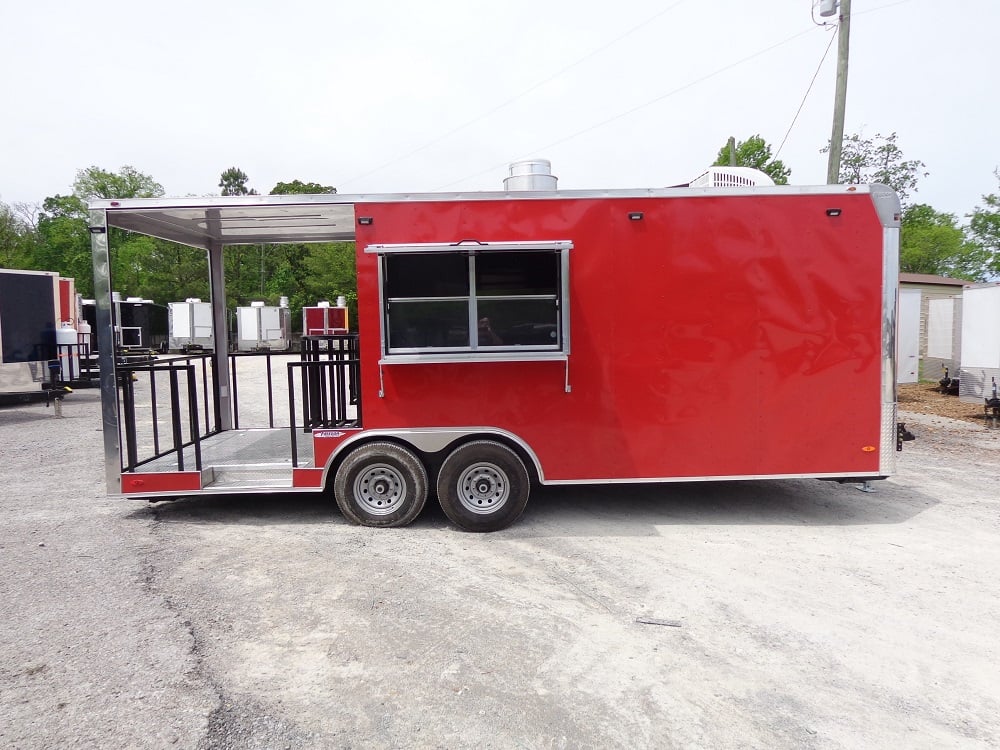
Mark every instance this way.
x=991 y=406
x=948 y=384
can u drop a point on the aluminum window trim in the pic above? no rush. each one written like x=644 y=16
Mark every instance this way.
x=474 y=352
x=472 y=246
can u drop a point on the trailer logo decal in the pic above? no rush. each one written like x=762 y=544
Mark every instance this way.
x=328 y=433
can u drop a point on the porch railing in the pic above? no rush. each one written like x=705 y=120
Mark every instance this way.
x=177 y=405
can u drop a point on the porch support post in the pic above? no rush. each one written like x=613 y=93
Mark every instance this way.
x=217 y=284
x=104 y=330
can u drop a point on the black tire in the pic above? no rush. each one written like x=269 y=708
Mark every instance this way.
x=381 y=484
x=483 y=486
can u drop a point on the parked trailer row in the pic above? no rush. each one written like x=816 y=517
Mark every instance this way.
x=39 y=350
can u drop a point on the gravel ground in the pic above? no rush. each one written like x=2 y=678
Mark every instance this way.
x=760 y=614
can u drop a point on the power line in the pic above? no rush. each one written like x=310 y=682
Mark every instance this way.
x=806 y=95
x=515 y=98
x=660 y=98
x=881 y=7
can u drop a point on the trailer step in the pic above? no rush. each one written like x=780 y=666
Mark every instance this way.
x=275 y=476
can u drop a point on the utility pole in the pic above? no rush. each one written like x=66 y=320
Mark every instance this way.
x=840 y=96
x=732 y=151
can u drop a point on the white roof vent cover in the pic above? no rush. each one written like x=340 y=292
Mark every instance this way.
x=731 y=177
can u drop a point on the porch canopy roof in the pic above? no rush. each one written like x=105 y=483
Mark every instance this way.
x=235 y=220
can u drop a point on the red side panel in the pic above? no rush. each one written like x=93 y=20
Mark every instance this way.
x=176 y=481
x=67 y=300
x=736 y=336
x=307 y=477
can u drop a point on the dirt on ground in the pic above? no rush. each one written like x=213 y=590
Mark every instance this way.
x=927 y=398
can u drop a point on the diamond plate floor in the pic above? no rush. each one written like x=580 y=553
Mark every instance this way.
x=244 y=450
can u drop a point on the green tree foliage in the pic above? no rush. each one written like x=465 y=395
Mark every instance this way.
x=331 y=271
x=233 y=181
x=755 y=152
x=296 y=187
x=984 y=226
x=65 y=241
x=879 y=159
x=127 y=182
x=136 y=263
x=18 y=239
x=932 y=242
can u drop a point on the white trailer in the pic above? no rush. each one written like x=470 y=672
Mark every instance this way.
x=908 y=336
x=944 y=338
x=191 y=325
x=980 y=342
x=261 y=327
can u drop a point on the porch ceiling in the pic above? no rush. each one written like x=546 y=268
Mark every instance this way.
x=227 y=222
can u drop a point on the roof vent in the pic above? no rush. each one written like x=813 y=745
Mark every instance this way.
x=530 y=174
x=731 y=177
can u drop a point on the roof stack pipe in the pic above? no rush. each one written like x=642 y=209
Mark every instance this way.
x=530 y=174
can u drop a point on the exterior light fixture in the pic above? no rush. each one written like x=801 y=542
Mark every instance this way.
x=365 y=220
x=635 y=215
x=833 y=212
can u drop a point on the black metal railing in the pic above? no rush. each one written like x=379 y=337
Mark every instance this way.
x=185 y=376
x=328 y=380
x=342 y=349
x=234 y=357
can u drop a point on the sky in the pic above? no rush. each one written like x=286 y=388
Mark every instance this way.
x=388 y=96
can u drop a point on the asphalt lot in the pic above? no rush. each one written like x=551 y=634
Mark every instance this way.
x=782 y=614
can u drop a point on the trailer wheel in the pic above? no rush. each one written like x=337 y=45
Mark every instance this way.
x=381 y=484
x=483 y=486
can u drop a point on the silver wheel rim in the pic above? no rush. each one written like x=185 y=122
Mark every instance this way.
x=380 y=489
x=483 y=488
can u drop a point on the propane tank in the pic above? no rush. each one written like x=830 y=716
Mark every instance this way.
x=68 y=352
x=83 y=328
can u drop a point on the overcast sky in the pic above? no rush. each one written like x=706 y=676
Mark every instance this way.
x=393 y=96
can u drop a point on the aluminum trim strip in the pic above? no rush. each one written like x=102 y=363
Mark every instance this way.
x=115 y=206
x=720 y=478
x=890 y=300
x=528 y=355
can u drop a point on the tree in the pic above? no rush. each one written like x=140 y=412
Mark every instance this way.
x=64 y=235
x=234 y=182
x=18 y=239
x=984 y=227
x=127 y=182
x=64 y=241
x=878 y=159
x=931 y=242
x=756 y=153
x=296 y=187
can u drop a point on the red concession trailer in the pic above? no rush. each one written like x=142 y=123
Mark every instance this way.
x=549 y=337
x=322 y=319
